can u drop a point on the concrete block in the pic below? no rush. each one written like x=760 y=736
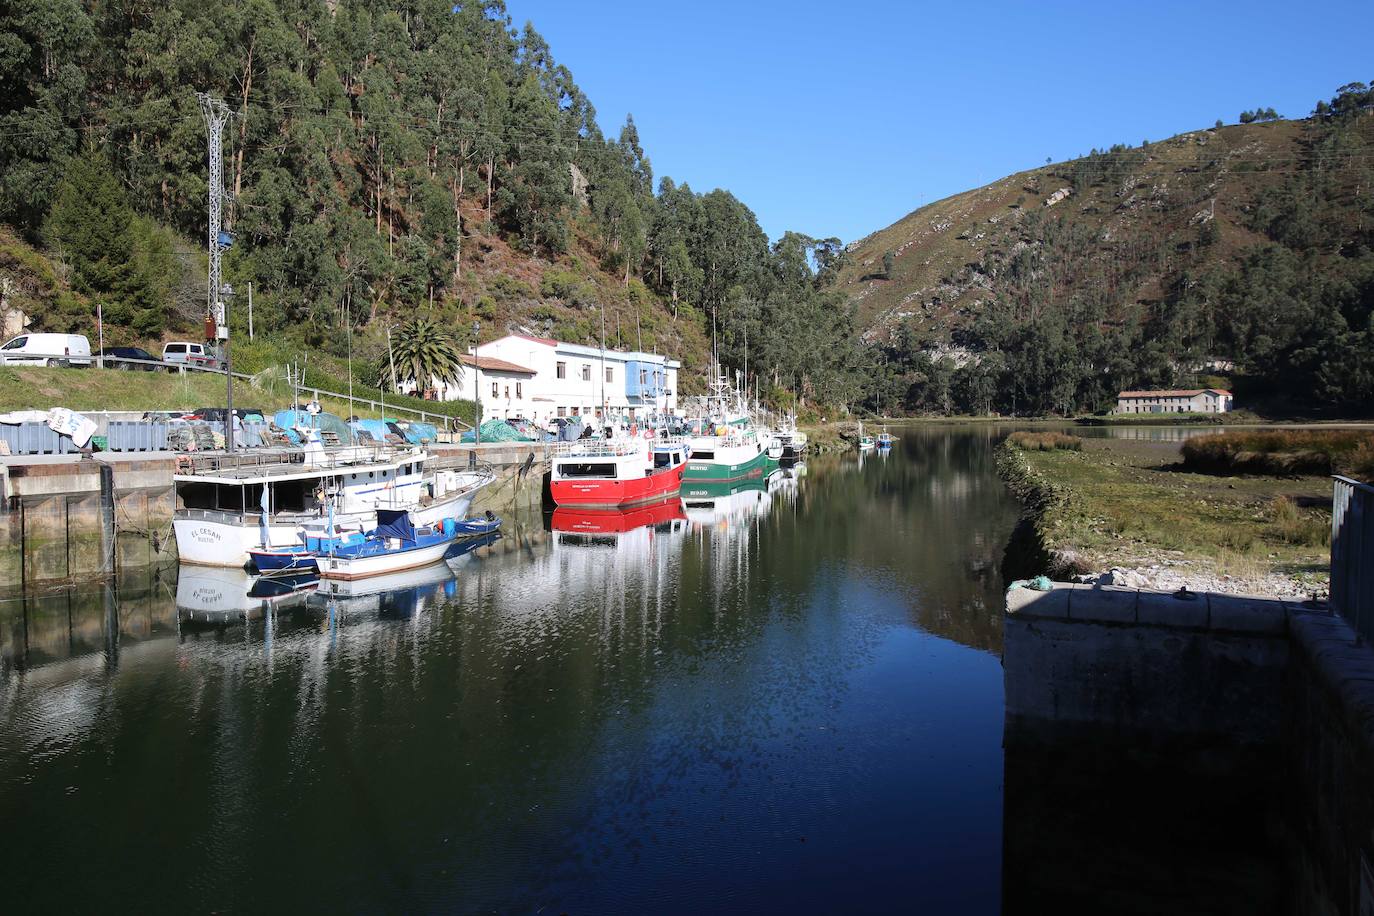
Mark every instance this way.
x=1312 y=630
x=1027 y=602
x=1235 y=614
x=1162 y=609
x=1103 y=604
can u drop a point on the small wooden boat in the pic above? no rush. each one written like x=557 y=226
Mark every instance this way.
x=476 y=527
x=885 y=439
x=394 y=545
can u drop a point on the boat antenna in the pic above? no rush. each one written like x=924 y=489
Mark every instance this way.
x=604 y=418
x=352 y=433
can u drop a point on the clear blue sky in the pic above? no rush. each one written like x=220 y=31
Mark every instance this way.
x=840 y=118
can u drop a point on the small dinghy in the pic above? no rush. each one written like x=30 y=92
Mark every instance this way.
x=478 y=526
x=295 y=558
x=394 y=545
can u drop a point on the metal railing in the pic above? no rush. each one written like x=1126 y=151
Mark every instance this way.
x=95 y=360
x=1352 y=554
x=601 y=448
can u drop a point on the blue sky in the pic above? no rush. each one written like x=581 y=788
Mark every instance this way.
x=840 y=118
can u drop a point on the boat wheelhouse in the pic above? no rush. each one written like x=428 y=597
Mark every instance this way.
x=735 y=453
x=617 y=473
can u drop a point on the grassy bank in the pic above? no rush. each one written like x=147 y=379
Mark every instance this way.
x=39 y=388
x=1131 y=504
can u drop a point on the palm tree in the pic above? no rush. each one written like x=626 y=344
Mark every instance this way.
x=425 y=354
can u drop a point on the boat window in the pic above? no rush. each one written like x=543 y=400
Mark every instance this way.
x=663 y=459
x=703 y=456
x=584 y=469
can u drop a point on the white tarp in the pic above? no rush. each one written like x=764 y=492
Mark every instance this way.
x=66 y=423
x=60 y=420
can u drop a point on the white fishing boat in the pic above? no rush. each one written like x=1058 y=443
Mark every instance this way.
x=228 y=504
x=395 y=545
x=790 y=439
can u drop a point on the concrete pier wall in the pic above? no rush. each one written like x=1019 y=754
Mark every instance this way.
x=1181 y=716
x=50 y=517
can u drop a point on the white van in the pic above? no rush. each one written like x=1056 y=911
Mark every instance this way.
x=47 y=350
x=186 y=353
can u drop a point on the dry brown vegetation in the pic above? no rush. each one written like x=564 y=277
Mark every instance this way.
x=1045 y=442
x=1297 y=451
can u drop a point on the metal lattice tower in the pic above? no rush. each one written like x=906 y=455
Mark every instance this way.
x=216 y=114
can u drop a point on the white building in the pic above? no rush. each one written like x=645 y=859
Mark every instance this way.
x=1187 y=400
x=539 y=378
x=502 y=387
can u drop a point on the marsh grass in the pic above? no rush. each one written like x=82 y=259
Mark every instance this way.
x=1282 y=452
x=1045 y=441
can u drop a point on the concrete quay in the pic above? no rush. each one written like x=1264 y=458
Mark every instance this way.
x=50 y=519
x=1250 y=710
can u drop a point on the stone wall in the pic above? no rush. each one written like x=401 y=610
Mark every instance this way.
x=1203 y=755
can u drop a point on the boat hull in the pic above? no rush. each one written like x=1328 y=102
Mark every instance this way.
x=365 y=567
x=759 y=465
x=284 y=560
x=618 y=494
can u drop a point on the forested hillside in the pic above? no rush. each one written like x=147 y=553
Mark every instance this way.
x=1241 y=252
x=384 y=160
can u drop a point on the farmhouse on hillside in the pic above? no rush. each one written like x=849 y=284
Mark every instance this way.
x=1186 y=400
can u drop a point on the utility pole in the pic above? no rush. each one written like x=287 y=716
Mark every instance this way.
x=476 y=396
x=216 y=113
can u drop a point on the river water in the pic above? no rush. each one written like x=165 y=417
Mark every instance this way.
x=789 y=698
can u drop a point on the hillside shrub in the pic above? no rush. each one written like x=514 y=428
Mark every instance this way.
x=1045 y=442
x=1298 y=451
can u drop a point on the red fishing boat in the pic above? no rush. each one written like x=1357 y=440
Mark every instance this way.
x=617 y=473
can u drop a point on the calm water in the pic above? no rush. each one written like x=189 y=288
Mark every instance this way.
x=785 y=699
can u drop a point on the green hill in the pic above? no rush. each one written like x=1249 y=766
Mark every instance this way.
x=1239 y=251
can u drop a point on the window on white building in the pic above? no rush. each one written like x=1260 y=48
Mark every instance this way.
x=495 y=389
x=562 y=411
x=610 y=374
x=519 y=390
x=507 y=392
x=561 y=370
x=586 y=372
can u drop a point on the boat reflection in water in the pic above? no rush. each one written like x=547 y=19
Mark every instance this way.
x=406 y=593
x=217 y=595
x=721 y=505
x=607 y=528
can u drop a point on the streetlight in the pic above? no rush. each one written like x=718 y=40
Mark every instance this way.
x=222 y=332
x=476 y=402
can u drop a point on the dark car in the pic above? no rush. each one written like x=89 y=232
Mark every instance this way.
x=216 y=414
x=118 y=358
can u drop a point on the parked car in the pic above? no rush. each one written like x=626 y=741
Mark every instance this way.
x=216 y=414
x=118 y=358
x=47 y=350
x=184 y=352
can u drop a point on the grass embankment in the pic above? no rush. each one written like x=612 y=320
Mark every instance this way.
x=1132 y=504
x=39 y=388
